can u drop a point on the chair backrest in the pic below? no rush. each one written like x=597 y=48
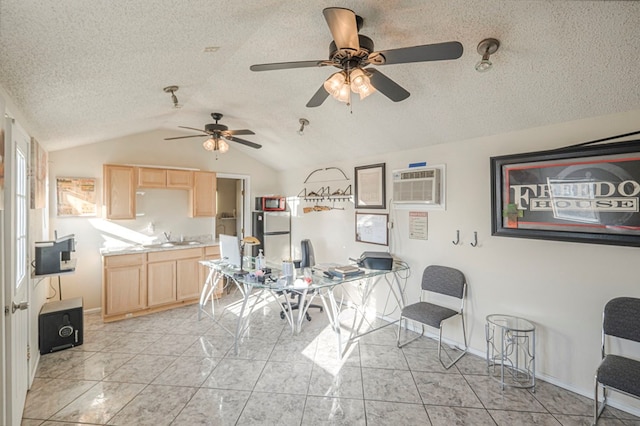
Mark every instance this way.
x=306 y=251
x=444 y=280
x=622 y=318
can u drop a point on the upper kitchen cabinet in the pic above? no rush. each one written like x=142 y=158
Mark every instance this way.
x=149 y=177
x=203 y=195
x=119 y=191
x=179 y=179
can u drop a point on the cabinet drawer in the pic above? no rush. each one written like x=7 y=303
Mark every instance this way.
x=212 y=251
x=162 y=256
x=123 y=260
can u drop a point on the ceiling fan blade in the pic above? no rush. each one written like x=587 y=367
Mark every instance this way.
x=193 y=128
x=386 y=86
x=343 y=26
x=426 y=52
x=318 y=98
x=184 y=137
x=238 y=132
x=244 y=142
x=290 y=65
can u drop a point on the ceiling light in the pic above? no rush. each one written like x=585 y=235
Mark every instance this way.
x=341 y=84
x=360 y=83
x=303 y=122
x=216 y=144
x=174 y=98
x=487 y=47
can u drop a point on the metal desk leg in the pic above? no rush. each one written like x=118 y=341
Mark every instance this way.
x=240 y=324
x=332 y=311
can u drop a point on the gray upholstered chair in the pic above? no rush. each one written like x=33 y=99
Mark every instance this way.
x=620 y=319
x=445 y=281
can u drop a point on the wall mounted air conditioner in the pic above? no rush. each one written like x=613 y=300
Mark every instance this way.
x=418 y=186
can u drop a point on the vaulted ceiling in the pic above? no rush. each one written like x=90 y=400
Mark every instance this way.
x=88 y=71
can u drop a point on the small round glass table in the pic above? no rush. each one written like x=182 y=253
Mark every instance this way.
x=511 y=350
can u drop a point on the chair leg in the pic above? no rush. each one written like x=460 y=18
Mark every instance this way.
x=464 y=351
x=400 y=345
x=598 y=411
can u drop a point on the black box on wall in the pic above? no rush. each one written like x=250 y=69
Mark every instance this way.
x=60 y=325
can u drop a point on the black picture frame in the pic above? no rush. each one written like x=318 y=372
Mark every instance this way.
x=372 y=228
x=370 y=188
x=584 y=194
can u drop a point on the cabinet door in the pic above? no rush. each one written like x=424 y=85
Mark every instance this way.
x=179 y=179
x=203 y=195
x=188 y=271
x=149 y=177
x=210 y=253
x=119 y=191
x=161 y=283
x=124 y=290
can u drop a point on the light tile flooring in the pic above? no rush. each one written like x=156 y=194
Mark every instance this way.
x=170 y=368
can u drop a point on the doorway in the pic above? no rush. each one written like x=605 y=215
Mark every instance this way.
x=15 y=272
x=232 y=204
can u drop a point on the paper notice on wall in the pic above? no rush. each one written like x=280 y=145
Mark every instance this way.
x=418 y=229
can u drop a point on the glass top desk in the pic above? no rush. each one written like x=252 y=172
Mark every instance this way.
x=253 y=292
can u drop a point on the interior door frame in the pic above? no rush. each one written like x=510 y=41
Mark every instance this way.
x=9 y=269
x=246 y=200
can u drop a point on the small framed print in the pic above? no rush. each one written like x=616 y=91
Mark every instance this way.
x=370 y=191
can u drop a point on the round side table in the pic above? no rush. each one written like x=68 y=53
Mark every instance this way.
x=511 y=350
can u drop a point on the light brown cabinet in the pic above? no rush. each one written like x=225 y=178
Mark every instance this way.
x=124 y=287
x=210 y=253
x=120 y=191
x=161 y=279
x=149 y=177
x=138 y=284
x=203 y=195
x=179 y=179
x=173 y=276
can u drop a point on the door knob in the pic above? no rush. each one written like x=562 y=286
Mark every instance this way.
x=22 y=306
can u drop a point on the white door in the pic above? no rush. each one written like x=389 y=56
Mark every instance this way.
x=16 y=271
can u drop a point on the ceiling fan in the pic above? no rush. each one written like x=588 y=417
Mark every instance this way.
x=352 y=52
x=217 y=134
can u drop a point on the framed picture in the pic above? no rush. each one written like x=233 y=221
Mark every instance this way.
x=370 y=190
x=581 y=194
x=372 y=228
x=76 y=196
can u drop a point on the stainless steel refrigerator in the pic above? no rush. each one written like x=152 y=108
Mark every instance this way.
x=273 y=229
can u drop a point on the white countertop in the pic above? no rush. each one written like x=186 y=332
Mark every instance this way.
x=139 y=248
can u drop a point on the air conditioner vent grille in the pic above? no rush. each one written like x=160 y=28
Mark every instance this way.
x=416 y=186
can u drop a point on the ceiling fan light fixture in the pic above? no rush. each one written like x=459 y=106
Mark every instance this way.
x=209 y=144
x=486 y=48
x=334 y=83
x=361 y=83
x=223 y=146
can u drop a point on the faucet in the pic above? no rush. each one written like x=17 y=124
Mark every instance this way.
x=167 y=236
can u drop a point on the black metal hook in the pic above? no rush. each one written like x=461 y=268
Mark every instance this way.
x=475 y=239
x=457 y=241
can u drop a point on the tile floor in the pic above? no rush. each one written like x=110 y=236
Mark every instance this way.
x=170 y=368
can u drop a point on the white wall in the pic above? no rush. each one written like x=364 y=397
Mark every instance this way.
x=167 y=209
x=561 y=287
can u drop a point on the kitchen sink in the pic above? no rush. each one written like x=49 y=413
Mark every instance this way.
x=186 y=243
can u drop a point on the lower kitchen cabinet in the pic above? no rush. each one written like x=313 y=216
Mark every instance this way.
x=138 y=284
x=161 y=278
x=173 y=275
x=124 y=284
x=210 y=253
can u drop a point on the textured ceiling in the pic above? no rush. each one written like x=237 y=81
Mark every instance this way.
x=86 y=71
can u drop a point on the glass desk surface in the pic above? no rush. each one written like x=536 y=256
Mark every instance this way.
x=319 y=280
x=511 y=322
